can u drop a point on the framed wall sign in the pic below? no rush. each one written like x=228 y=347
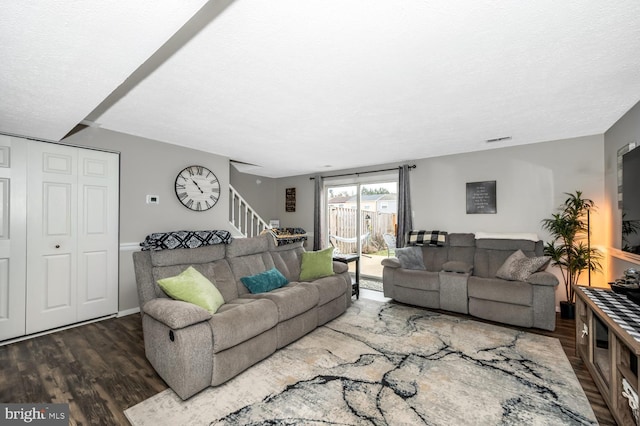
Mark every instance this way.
x=290 y=200
x=481 y=197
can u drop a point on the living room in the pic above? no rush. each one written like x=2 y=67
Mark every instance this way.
x=532 y=173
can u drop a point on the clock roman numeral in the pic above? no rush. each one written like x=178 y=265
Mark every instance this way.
x=198 y=206
x=199 y=170
x=182 y=195
x=181 y=186
x=189 y=203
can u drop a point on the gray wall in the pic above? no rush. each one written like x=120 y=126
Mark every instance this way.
x=150 y=167
x=259 y=192
x=531 y=182
x=624 y=131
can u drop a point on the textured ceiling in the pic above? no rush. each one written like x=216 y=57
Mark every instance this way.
x=298 y=87
x=61 y=59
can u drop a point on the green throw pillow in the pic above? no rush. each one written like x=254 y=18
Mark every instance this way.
x=316 y=264
x=265 y=281
x=193 y=287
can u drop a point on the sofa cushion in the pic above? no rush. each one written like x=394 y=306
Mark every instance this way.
x=421 y=280
x=499 y=290
x=527 y=246
x=292 y=300
x=287 y=259
x=462 y=240
x=218 y=271
x=250 y=264
x=265 y=281
x=518 y=266
x=246 y=246
x=410 y=258
x=316 y=264
x=193 y=287
x=187 y=256
x=457 y=266
x=241 y=319
x=434 y=257
x=329 y=288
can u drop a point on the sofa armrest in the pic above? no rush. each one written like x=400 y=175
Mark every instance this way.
x=457 y=266
x=543 y=278
x=391 y=262
x=174 y=313
x=340 y=267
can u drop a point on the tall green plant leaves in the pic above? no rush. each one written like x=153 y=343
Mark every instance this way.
x=568 y=228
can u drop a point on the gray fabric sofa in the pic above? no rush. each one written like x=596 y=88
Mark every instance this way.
x=192 y=349
x=461 y=277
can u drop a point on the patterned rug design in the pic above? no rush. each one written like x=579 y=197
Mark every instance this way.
x=385 y=363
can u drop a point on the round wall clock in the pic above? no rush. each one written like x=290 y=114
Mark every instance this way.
x=197 y=188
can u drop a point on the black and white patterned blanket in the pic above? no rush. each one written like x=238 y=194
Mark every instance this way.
x=621 y=310
x=184 y=239
x=426 y=238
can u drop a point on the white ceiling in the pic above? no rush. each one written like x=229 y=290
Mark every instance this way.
x=305 y=86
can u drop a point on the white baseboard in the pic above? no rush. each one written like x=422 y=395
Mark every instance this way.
x=128 y=312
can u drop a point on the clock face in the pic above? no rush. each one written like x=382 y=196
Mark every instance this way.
x=197 y=188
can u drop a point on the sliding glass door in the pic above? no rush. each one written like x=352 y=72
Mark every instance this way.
x=362 y=219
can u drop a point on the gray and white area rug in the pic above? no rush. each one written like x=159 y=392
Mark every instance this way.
x=391 y=364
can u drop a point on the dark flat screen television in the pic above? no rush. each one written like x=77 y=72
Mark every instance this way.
x=631 y=201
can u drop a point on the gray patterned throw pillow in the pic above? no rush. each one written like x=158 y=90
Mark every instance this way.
x=410 y=258
x=518 y=267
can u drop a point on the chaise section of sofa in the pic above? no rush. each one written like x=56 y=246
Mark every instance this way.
x=191 y=348
x=461 y=276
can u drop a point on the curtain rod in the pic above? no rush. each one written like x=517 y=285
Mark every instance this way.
x=362 y=173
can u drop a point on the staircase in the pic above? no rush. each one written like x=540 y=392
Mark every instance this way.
x=244 y=220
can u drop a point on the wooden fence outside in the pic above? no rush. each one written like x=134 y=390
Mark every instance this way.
x=342 y=226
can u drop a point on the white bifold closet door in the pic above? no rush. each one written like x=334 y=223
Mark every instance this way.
x=13 y=237
x=72 y=235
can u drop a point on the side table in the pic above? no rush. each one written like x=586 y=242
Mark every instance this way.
x=348 y=258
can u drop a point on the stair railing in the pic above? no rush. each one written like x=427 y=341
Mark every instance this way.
x=244 y=219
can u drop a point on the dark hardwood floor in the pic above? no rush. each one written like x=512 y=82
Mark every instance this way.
x=100 y=370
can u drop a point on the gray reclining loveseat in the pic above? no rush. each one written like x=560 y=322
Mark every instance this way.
x=460 y=276
x=191 y=348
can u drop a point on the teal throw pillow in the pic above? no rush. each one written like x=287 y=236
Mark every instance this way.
x=193 y=287
x=265 y=281
x=316 y=264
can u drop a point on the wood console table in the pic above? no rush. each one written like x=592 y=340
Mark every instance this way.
x=608 y=341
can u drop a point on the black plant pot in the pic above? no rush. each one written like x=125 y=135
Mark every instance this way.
x=567 y=310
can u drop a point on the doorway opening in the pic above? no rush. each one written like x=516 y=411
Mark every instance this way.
x=362 y=219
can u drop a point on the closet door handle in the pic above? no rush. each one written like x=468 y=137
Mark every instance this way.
x=57 y=245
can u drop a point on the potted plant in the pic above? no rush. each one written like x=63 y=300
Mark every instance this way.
x=567 y=249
